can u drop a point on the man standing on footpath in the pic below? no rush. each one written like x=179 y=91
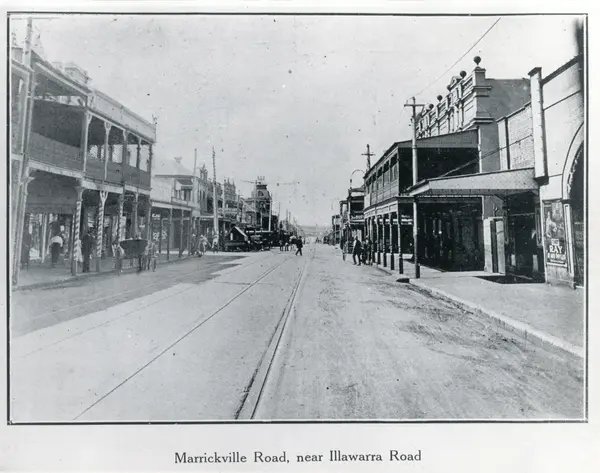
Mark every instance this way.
x=87 y=245
x=357 y=250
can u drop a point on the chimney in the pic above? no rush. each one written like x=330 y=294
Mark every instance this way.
x=76 y=73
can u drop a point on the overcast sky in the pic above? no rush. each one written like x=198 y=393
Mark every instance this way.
x=293 y=98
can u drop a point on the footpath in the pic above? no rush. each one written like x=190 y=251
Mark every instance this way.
x=548 y=315
x=39 y=276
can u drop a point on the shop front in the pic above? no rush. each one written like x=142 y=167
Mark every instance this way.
x=451 y=234
x=458 y=237
x=523 y=249
x=49 y=212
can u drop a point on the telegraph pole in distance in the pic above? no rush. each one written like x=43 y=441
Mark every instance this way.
x=415 y=174
x=270 y=209
x=368 y=154
x=215 y=197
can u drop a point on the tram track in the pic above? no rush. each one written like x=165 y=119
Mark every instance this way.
x=253 y=393
x=186 y=334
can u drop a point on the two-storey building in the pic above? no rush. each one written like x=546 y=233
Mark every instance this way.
x=458 y=136
x=336 y=228
x=352 y=212
x=85 y=165
x=538 y=226
x=175 y=206
x=183 y=205
x=258 y=207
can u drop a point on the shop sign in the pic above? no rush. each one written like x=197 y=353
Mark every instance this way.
x=554 y=234
x=406 y=220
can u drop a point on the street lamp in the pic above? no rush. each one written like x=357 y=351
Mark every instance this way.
x=356 y=170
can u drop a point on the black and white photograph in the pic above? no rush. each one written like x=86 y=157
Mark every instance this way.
x=233 y=218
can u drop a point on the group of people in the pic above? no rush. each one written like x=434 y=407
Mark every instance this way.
x=84 y=249
x=361 y=251
x=284 y=244
x=200 y=244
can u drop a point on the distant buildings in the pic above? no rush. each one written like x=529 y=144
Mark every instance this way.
x=351 y=215
x=182 y=205
x=259 y=207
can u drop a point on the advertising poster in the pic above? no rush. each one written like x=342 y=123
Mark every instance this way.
x=554 y=234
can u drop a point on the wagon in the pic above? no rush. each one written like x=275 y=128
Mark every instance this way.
x=237 y=240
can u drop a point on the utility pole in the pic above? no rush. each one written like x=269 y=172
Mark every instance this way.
x=23 y=172
x=195 y=198
x=195 y=160
x=28 y=46
x=368 y=154
x=215 y=196
x=415 y=174
x=270 y=209
x=224 y=197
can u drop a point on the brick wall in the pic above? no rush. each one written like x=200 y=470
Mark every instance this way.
x=516 y=140
x=520 y=139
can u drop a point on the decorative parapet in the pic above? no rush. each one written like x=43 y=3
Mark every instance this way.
x=121 y=115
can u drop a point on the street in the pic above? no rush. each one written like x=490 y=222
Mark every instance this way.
x=271 y=335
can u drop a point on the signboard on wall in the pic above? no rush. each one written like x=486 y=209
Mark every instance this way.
x=554 y=234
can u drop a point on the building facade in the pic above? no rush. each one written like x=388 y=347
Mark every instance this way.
x=183 y=205
x=175 y=208
x=538 y=229
x=457 y=136
x=258 y=212
x=84 y=166
x=560 y=163
x=352 y=213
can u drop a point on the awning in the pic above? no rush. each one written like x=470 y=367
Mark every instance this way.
x=185 y=183
x=498 y=183
x=241 y=232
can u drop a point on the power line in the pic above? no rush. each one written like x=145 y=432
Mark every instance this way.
x=459 y=59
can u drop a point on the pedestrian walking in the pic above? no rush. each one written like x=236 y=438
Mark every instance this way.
x=87 y=245
x=356 y=250
x=366 y=251
x=151 y=255
x=215 y=244
x=56 y=244
x=116 y=249
x=343 y=247
x=203 y=244
x=193 y=245
x=299 y=245
x=141 y=253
